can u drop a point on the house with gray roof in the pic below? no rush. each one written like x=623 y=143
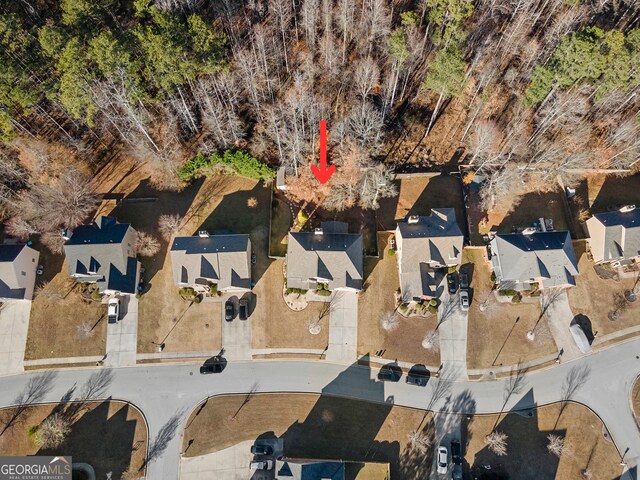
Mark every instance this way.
x=103 y=253
x=545 y=258
x=424 y=244
x=614 y=237
x=295 y=469
x=18 y=265
x=204 y=261
x=329 y=258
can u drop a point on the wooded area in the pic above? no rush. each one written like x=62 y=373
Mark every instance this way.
x=530 y=89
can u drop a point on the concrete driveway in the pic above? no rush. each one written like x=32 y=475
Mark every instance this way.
x=236 y=334
x=555 y=305
x=14 y=324
x=453 y=336
x=122 y=337
x=343 y=327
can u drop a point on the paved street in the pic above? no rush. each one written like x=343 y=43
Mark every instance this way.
x=122 y=337
x=168 y=393
x=343 y=328
x=14 y=324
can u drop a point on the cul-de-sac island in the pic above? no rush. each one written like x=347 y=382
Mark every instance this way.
x=320 y=239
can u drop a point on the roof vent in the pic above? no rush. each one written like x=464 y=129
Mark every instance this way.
x=203 y=234
x=627 y=208
x=413 y=219
x=529 y=231
x=317 y=231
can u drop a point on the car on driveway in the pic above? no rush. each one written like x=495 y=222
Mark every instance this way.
x=243 y=305
x=389 y=373
x=464 y=300
x=261 y=449
x=229 y=310
x=113 y=310
x=456 y=458
x=261 y=465
x=215 y=367
x=418 y=375
x=464 y=281
x=443 y=462
x=452 y=282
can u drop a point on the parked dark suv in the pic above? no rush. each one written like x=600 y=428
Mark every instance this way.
x=452 y=282
x=464 y=281
x=243 y=305
x=418 y=376
x=229 y=310
x=456 y=457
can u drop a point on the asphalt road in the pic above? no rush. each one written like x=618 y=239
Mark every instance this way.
x=167 y=394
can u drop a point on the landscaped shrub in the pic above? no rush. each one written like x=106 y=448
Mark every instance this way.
x=433 y=302
x=96 y=295
x=323 y=293
x=403 y=307
x=301 y=291
x=213 y=288
x=187 y=293
x=507 y=293
x=493 y=277
x=452 y=270
x=32 y=431
x=391 y=252
x=433 y=310
x=197 y=299
x=238 y=162
x=302 y=217
x=534 y=286
x=516 y=298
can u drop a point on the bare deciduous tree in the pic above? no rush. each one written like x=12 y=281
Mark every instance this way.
x=390 y=321
x=419 y=441
x=168 y=225
x=52 y=431
x=555 y=445
x=497 y=442
x=146 y=244
x=431 y=341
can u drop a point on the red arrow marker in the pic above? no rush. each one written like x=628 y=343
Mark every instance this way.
x=323 y=174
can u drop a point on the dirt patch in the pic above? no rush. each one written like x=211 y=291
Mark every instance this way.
x=594 y=297
x=110 y=436
x=405 y=342
x=494 y=337
x=527 y=455
x=312 y=426
x=275 y=325
x=63 y=323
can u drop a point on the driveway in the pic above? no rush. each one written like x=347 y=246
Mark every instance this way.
x=555 y=306
x=453 y=336
x=122 y=337
x=14 y=324
x=236 y=334
x=343 y=327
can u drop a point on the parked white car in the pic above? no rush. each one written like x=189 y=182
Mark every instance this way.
x=261 y=465
x=443 y=462
x=113 y=310
x=464 y=300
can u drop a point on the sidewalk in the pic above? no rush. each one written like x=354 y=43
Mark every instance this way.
x=343 y=328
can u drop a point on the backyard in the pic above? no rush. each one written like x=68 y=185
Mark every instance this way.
x=111 y=436
x=314 y=426
x=64 y=323
x=275 y=325
x=218 y=204
x=594 y=297
x=607 y=192
x=403 y=343
x=527 y=457
x=497 y=332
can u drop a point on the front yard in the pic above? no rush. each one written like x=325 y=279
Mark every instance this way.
x=527 y=457
x=314 y=426
x=594 y=297
x=275 y=325
x=111 y=436
x=404 y=342
x=497 y=332
x=64 y=323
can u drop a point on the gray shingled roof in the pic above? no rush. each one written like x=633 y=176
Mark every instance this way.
x=9 y=282
x=222 y=259
x=100 y=247
x=548 y=255
x=615 y=234
x=336 y=257
x=433 y=238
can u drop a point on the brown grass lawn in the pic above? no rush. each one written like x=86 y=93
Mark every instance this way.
x=58 y=321
x=610 y=191
x=403 y=344
x=219 y=204
x=488 y=330
x=527 y=456
x=110 y=436
x=275 y=325
x=594 y=297
x=281 y=222
x=417 y=196
x=635 y=398
x=314 y=426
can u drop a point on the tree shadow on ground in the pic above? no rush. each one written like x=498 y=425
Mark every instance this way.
x=233 y=215
x=142 y=209
x=616 y=192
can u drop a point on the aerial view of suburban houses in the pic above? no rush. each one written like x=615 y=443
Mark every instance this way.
x=320 y=240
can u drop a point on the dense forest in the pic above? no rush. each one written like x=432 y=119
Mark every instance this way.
x=518 y=92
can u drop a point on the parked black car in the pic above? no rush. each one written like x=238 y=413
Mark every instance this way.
x=389 y=374
x=456 y=456
x=418 y=376
x=244 y=308
x=464 y=281
x=261 y=449
x=229 y=310
x=452 y=282
x=207 y=368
